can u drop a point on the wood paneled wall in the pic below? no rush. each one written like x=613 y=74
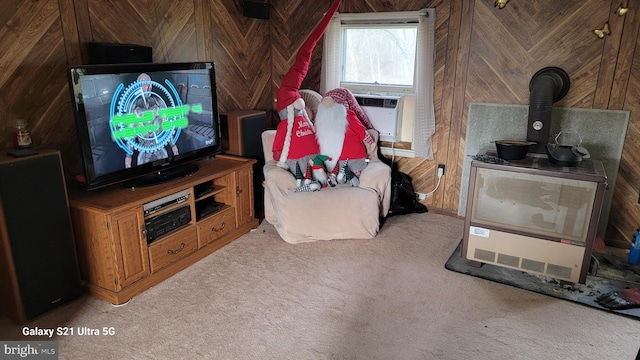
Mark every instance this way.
x=483 y=54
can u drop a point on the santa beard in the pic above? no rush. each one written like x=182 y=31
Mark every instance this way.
x=331 y=124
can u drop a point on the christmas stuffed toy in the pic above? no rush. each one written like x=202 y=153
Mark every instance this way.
x=341 y=130
x=346 y=176
x=295 y=142
x=318 y=170
x=304 y=183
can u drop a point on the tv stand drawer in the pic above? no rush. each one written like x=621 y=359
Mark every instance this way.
x=215 y=226
x=172 y=248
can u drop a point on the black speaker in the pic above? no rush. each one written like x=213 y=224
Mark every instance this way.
x=242 y=136
x=108 y=53
x=37 y=253
x=255 y=9
x=242 y=132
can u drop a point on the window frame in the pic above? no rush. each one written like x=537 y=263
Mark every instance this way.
x=389 y=89
x=421 y=126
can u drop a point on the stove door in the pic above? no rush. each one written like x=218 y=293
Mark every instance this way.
x=531 y=204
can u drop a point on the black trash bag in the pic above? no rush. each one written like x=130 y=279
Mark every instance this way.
x=403 y=197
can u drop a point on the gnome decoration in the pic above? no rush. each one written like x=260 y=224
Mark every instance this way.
x=295 y=141
x=303 y=182
x=318 y=170
x=340 y=179
x=350 y=177
x=341 y=130
x=345 y=175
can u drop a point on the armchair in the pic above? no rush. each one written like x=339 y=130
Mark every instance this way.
x=341 y=212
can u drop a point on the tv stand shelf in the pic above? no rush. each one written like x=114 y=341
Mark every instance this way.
x=110 y=228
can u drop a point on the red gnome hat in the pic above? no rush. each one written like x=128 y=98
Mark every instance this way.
x=288 y=91
x=345 y=98
x=291 y=82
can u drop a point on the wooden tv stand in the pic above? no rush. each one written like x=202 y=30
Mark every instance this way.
x=115 y=260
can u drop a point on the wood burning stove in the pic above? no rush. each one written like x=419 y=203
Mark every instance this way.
x=534 y=216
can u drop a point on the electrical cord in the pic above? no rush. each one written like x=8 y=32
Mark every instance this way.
x=436 y=188
x=393 y=156
x=424 y=195
x=393 y=152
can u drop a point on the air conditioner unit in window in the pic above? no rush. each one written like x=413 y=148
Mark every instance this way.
x=384 y=113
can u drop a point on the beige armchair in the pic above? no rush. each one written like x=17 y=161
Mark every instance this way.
x=341 y=212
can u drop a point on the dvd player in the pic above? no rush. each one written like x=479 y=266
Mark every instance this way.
x=159 y=204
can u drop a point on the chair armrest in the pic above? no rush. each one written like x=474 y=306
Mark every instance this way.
x=277 y=176
x=377 y=177
x=268 y=136
x=372 y=149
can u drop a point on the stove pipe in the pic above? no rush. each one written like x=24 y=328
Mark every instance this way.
x=547 y=86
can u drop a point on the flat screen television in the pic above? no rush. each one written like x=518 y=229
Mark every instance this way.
x=142 y=124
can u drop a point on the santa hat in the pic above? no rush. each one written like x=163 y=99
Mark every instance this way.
x=319 y=160
x=345 y=98
x=291 y=82
x=288 y=91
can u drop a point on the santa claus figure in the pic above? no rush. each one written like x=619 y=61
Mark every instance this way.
x=341 y=130
x=295 y=142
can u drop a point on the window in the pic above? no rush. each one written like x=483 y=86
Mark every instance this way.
x=379 y=56
x=387 y=56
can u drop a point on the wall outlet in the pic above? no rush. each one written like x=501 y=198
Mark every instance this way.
x=440 y=169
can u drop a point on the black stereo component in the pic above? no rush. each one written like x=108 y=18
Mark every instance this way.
x=111 y=53
x=257 y=9
x=165 y=223
x=204 y=208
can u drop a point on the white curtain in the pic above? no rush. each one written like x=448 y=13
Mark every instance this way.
x=330 y=78
x=424 y=124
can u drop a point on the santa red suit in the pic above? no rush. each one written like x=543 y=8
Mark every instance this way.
x=302 y=143
x=295 y=142
x=341 y=130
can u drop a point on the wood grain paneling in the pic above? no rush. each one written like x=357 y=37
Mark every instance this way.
x=241 y=50
x=33 y=59
x=483 y=54
x=625 y=209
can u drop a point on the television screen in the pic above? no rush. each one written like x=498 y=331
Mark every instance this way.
x=143 y=119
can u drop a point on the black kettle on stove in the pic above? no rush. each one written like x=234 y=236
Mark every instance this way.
x=567 y=150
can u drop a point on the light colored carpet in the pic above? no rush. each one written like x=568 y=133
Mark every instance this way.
x=386 y=298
